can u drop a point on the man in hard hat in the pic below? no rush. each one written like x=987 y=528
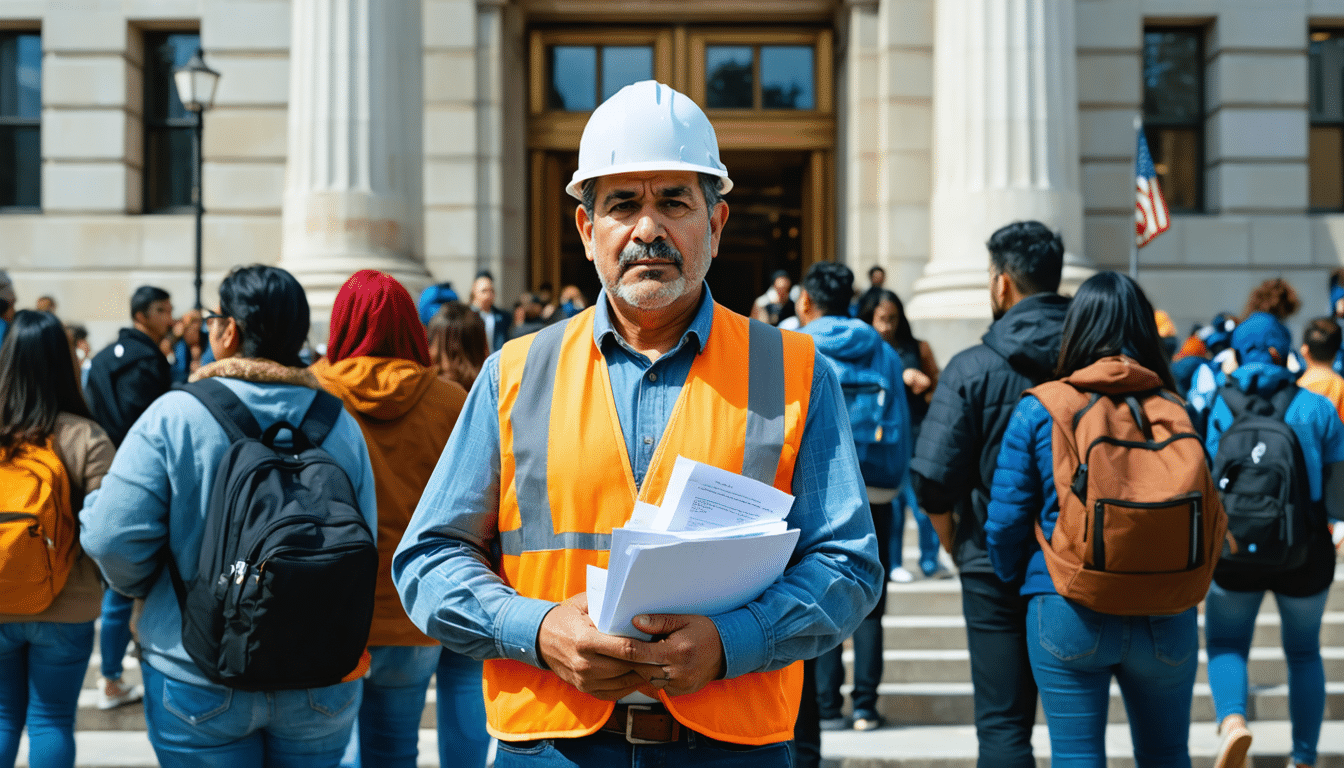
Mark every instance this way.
x=568 y=427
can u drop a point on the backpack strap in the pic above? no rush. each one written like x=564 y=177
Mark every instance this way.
x=321 y=417
x=1282 y=399
x=227 y=409
x=1237 y=401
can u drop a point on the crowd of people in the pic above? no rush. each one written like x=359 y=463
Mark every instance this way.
x=422 y=499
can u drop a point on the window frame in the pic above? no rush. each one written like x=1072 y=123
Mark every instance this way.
x=819 y=40
x=154 y=126
x=1198 y=125
x=27 y=122
x=1333 y=32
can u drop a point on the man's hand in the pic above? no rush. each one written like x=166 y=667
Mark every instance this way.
x=916 y=380
x=945 y=527
x=596 y=663
x=687 y=652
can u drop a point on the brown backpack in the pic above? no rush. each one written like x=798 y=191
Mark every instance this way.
x=1140 y=524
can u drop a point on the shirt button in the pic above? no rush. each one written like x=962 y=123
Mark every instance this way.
x=653 y=377
x=648 y=441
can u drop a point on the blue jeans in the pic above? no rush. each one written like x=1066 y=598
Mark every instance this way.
x=42 y=665
x=608 y=749
x=196 y=726
x=114 y=632
x=463 y=741
x=928 y=537
x=1075 y=652
x=394 y=700
x=1001 y=678
x=1229 y=622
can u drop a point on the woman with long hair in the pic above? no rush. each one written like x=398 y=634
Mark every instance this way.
x=457 y=343
x=883 y=310
x=1075 y=651
x=45 y=654
x=378 y=363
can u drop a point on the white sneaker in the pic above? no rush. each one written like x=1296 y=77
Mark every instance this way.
x=112 y=694
x=901 y=576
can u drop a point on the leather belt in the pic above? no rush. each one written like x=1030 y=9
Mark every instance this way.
x=643 y=724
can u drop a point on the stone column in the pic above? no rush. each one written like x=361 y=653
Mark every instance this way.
x=1005 y=148
x=353 y=190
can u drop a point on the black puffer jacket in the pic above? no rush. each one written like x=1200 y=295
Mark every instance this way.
x=953 y=466
x=124 y=379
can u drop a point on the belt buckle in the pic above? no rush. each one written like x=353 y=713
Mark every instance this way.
x=630 y=710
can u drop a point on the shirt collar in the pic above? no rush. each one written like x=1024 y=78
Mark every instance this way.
x=696 y=333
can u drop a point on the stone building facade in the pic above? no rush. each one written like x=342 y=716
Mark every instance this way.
x=432 y=138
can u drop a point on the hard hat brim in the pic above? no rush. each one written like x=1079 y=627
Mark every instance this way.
x=575 y=186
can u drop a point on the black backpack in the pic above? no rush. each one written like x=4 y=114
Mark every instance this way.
x=283 y=594
x=1261 y=473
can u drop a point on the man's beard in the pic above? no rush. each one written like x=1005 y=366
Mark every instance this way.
x=641 y=294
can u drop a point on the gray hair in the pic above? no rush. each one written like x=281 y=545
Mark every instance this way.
x=709 y=187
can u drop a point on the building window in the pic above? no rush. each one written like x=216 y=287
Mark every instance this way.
x=1325 y=151
x=168 y=125
x=583 y=76
x=1173 y=113
x=20 y=120
x=785 y=74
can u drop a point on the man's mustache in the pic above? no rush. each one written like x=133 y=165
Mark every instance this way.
x=658 y=249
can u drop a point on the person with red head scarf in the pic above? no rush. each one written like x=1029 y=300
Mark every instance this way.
x=378 y=364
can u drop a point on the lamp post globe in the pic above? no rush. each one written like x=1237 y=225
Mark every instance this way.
x=196 y=84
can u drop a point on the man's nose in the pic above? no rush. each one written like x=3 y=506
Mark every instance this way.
x=648 y=228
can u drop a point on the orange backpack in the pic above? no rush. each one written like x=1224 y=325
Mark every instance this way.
x=37 y=528
x=1140 y=524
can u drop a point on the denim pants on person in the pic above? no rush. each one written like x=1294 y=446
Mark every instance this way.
x=114 y=633
x=195 y=726
x=42 y=666
x=928 y=537
x=463 y=741
x=830 y=669
x=608 y=749
x=388 y=735
x=1004 y=689
x=1229 y=623
x=1074 y=654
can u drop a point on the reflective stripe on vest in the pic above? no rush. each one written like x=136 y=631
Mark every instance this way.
x=566 y=482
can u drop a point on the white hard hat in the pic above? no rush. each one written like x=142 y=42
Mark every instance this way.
x=647 y=126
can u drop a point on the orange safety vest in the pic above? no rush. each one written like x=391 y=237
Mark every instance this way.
x=566 y=482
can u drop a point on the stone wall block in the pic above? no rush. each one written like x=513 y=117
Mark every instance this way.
x=1109 y=78
x=233 y=240
x=909 y=127
x=84 y=187
x=1248 y=78
x=1106 y=132
x=450 y=182
x=1276 y=25
x=1263 y=186
x=1212 y=240
x=450 y=24
x=84 y=81
x=246 y=134
x=1109 y=24
x=450 y=131
x=1108 y=185
x=243 y=186
x=97 y=134
x=245 y=25
x=1327 y=240
x=450 y=76
x=451 y=233
x=169 y=241
x=1257 y=133
x=251 y=81
x=907 y=22
x=1281 y=241
x=83 y=30
x=910 y=74
x=1106 y=239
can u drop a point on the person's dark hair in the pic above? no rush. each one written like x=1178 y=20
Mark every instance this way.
x=1274 y=296
x=778 y=273
x=77 y=332
x=271 y=311
x=831 y=286
x=709 y=187
x=904 y=335
x=1030 y=253
x=1322 y=337
x=457 y=342
x=144 y=296
x=873 y=270
x=484 y=273
x=37 y=378
x=1111 y=315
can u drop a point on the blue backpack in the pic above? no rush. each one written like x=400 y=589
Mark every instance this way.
x=880 y=420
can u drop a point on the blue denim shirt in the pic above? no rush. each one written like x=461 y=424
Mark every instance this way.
x=443 y=567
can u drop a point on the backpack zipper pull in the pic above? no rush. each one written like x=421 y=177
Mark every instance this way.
x=239 y=571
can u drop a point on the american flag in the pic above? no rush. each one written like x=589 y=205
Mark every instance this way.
x=1150 y=210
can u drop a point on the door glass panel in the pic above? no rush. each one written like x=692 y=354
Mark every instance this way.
x=1176 y=159
x=1326 y=168
x=728 y=77
x=1172 y=75
x=573 y=80
x=623 y=65
x=1326 y=60
x=21 y=76
x=787 y=81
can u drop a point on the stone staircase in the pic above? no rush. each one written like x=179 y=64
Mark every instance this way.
x=925 y=697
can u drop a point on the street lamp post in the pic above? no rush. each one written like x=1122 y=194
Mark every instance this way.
x=196 y=84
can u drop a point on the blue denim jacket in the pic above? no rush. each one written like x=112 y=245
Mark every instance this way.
x=443 y=567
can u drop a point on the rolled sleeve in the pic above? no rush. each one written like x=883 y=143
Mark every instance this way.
x=835 y=577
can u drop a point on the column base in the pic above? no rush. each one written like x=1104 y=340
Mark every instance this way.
x=323 y=275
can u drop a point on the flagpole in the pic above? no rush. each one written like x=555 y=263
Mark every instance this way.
x=1134 y=240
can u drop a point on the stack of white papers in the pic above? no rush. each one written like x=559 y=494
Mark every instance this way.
x=715 y=544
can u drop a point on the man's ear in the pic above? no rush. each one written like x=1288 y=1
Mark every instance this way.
x=717 y=218
x=585 y=226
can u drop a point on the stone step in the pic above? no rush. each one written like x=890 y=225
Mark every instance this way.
x=899 y=632
x=953 y=703
x=891 y=747
x=1266 y=665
